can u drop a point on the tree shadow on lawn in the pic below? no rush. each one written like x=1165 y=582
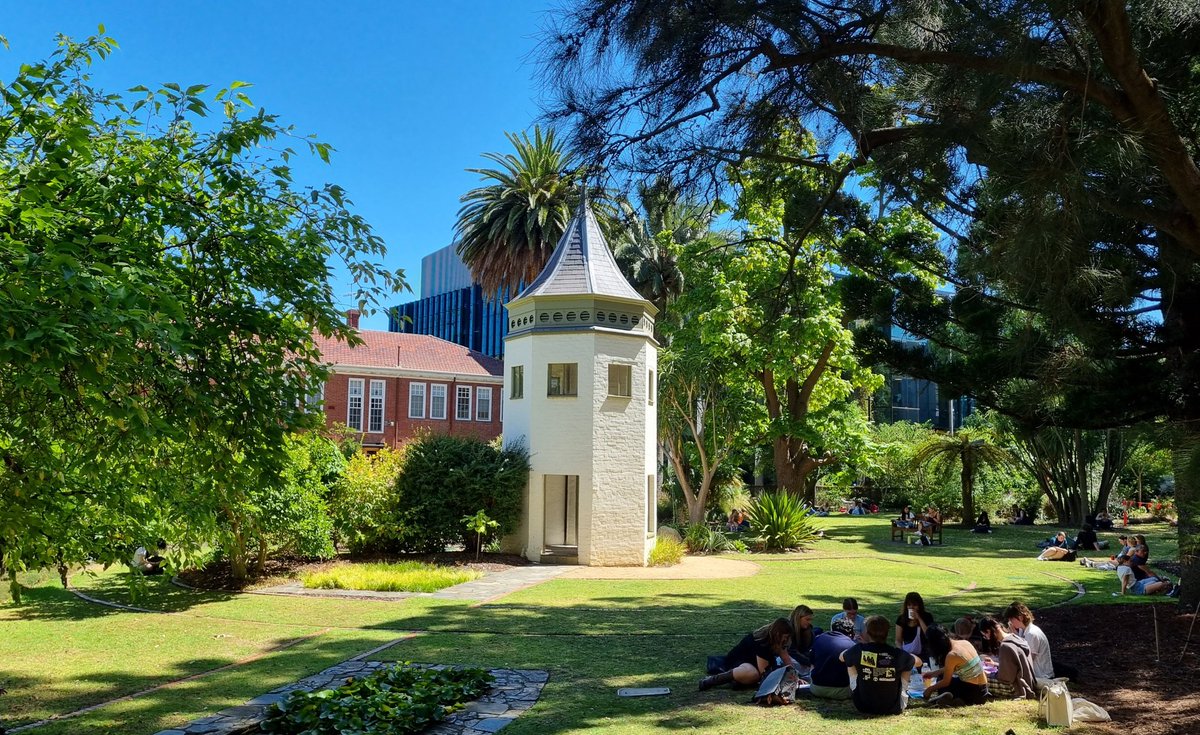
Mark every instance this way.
x=174 y=704
x=586 y=672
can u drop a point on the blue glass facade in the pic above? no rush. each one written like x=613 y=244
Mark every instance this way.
x=452 y=307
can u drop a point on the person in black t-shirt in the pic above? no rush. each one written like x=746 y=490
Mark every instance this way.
x=879 y=673
x=1086 y=539
x=914 y=620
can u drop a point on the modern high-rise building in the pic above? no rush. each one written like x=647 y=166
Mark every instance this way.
x=452 y=307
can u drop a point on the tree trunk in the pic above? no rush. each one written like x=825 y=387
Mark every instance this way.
x=1187 y=503
x=968 y=490
x=260 y=564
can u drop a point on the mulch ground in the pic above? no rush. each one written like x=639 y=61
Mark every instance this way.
x=217 y=576
x=1113 y=646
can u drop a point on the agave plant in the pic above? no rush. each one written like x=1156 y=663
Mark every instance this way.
x=782 y=521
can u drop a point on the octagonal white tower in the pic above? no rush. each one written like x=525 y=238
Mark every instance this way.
x=579 y=391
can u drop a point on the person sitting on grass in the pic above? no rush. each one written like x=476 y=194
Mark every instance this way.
x=1104 y=521
x=879 y=673
x=983 y=524
x=1138 y=580
x=1014 y=678
x=850 y=612
x=752 y=657
x=912 y=624
x=830 y=679
x=1058 y=550
x=1020 y=621
x=1114 y=561
x=147 y=563
x=961 y=679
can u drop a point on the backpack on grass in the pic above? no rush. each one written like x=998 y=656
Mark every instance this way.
x=777 y=688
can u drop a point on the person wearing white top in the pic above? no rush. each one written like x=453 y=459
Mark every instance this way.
x=1020 y=621
x=148 y=563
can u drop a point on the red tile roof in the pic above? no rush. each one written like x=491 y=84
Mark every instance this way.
x=408 y=352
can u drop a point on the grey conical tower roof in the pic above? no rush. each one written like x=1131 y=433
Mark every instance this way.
x=581 y=264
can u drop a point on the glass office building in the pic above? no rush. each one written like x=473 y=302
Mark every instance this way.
x=452 y=307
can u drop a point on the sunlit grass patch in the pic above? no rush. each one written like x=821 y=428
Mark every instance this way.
x=408 y=576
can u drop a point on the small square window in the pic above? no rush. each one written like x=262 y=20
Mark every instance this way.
x=562 y=379
x=620 y=381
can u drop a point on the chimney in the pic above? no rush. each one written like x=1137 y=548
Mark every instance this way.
x=352 y=318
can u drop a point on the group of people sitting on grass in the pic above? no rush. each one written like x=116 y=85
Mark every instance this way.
x=1131 y=566
x=855 y=661
x=1130 y=563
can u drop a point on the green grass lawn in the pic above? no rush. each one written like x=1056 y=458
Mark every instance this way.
x=406 y=576
x=58 y=653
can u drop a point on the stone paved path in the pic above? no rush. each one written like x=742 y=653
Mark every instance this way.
x=513 y=692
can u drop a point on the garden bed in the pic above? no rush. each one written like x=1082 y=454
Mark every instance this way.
x=216 y=576
x=1113 y=647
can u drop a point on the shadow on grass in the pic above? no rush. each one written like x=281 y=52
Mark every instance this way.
x=31 y=696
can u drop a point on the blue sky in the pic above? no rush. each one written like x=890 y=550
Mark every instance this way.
x=409 y=93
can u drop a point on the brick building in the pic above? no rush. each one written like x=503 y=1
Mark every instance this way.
x=396 y=385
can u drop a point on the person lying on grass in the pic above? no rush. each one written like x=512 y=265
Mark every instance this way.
x=752 y=657
x=1058 y=550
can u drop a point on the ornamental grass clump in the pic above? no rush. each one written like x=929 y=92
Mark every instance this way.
x=408 y=576
x=781 y=521
x=398 y=700
x=667 y=552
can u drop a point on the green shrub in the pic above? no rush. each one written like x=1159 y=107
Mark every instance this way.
x=667 y=552
x=399 y=700
x=700 y=539
x=781 y=521
x=365 y=504
x=407 y=576
x=446 y=478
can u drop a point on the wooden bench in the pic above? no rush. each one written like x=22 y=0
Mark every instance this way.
x=935 y=536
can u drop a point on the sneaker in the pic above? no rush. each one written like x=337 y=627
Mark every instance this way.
x=1174 y=591
x=941 y=699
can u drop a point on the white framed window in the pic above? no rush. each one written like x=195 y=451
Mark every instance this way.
x=620 y=380
x=354 y=404
x=483 y=404
x=462 y=403
x=562 y=378
x=518 y=382
x=315 y=400
x=437 y=401
x=375 y=408
x=651 y=389
x=416 y=400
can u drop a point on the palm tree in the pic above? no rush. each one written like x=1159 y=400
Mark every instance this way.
x=648 y=256
x=508 y=228
x=971 y=450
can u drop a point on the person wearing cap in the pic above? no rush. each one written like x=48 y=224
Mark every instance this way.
x=830 y=677
x=850 y=612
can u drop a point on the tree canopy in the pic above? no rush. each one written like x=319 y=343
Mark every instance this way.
x=1052 y=143
x=161 y=276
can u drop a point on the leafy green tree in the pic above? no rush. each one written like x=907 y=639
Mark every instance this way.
x=970 y=450
x=161 y=277
x=508 y=227
x=777 y=312
x=1053 y=143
